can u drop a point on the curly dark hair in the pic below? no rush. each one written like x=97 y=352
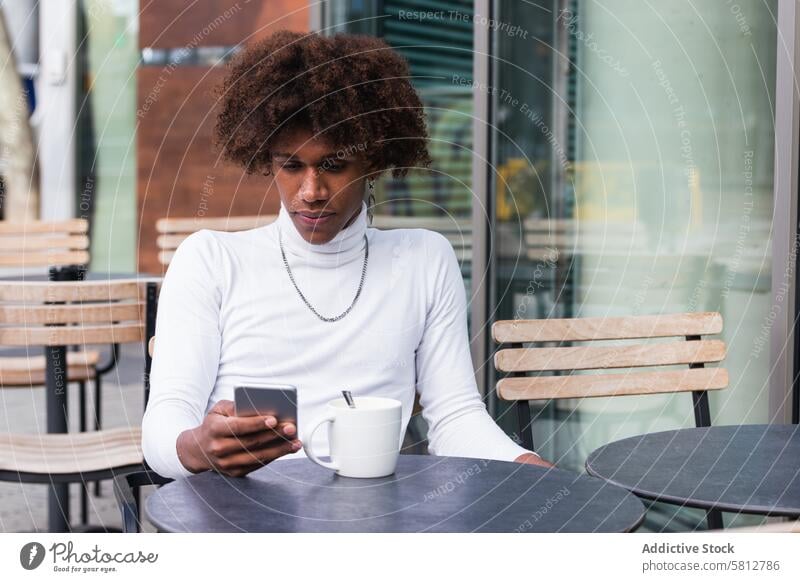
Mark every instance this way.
x=354 y=90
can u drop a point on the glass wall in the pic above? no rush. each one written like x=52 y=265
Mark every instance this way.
x=631 y=174
x=633 y=149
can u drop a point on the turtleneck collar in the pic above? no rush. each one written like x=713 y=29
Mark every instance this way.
x=347 y=245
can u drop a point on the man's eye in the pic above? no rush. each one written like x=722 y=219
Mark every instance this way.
x=290 y=166
x=332 y=167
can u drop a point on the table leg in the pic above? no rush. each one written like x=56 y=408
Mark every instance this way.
x=56 y=397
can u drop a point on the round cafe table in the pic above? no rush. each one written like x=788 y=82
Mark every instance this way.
x=743 y=469
x=425 y=494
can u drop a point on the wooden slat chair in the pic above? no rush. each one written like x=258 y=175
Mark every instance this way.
x=517 y=361
x=173 y=231
x=31 y=247
x=52 y=316
x=37 y=244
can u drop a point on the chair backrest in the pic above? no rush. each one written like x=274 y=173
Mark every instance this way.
x=695 y=352
x=173 y=231
x=44 y=244
x=71 y=313
x=517 y=361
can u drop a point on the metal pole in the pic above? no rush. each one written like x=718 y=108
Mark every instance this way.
x=783 y=340
x=56 y=386
x=481 y=211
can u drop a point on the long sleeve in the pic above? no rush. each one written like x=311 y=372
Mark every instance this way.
x=459 y=424
x=187 y=350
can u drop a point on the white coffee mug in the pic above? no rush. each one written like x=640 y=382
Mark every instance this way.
x=364 y=441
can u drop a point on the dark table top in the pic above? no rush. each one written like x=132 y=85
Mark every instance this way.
x=744 y=469
x=426 y=493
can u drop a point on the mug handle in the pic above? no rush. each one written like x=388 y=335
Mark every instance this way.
x=307 y=445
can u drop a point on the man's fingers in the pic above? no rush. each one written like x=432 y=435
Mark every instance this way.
x=287 y=429
x=259 y=456
x=226 y=426
x=255 y=441
x=224 y=407
x=225 y=423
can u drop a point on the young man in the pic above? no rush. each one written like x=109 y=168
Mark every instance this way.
x=317 y=299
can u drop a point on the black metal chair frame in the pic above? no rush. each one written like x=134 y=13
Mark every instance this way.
x=127 y=487
x=128 y=492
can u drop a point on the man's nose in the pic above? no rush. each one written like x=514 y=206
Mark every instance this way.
x=313 y=187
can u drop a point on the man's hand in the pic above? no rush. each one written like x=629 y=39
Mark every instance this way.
x=235 y=445
x=533 y=459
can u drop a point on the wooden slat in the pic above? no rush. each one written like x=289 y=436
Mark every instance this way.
x=71 y=313
x=74 y=226
x=444 y=224
x=22 y=363
x=25 y=243
x=463 y=255
x=26 y=372
x=72 y=335
x=547 y=254
x=590 y=242
x=44 y=259
x=71 y=452
x=553 y=240
x=164 y=257
x=170 y=241
x=548 y=225
x=610 y=328
x=595 y=385
x=224 y=223
x=599 y=358
x=572 y=225
x=25 y=291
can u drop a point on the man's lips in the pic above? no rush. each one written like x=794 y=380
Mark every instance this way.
x=313 y=218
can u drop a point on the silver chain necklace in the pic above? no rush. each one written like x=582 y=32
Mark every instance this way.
x=303 y=297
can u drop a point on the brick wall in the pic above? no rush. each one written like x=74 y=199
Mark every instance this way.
x=178 y=171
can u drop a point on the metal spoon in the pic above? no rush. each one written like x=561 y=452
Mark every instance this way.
x=348 y=398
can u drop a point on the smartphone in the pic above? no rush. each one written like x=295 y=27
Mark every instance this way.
x=278 y=400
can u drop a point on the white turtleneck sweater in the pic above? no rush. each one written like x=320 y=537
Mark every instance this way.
x=228 y=316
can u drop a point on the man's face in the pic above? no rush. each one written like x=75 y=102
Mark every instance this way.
x=321 y=185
